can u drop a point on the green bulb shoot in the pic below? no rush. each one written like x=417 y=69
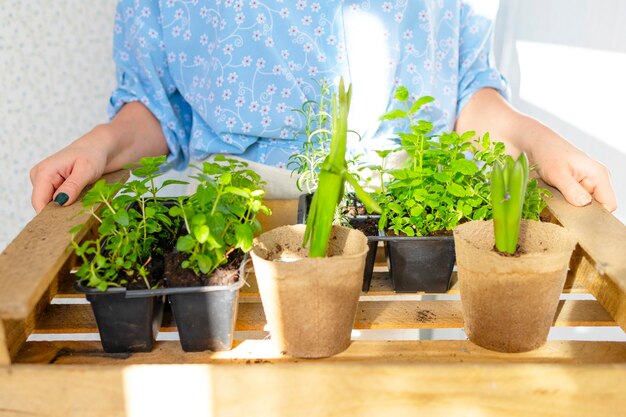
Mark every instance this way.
x=333 y=175
x=508 y=188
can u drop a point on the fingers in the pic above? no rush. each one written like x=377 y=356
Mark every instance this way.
x=81 y=175
x=601 y=189
x=571 y=189
x=44 y=184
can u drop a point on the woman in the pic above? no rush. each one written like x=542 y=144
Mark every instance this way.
x=221 y=76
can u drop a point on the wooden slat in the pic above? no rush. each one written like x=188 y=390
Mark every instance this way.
x=316 y=389
x=381 y=286
x=30 y=263
x=602 y=237
x=370 y=315
x=283 y=212
x=257 y=351
x=5 y=358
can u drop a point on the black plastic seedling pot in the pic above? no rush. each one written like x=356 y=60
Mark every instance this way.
x=304 y=202
x=205 y=316
x=420 y=263
x=125 y=324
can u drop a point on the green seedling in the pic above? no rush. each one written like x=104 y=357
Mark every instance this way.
x=445 y=179
x=509 y=182
x=332 y=178
x=132 y=222
x=221 y=215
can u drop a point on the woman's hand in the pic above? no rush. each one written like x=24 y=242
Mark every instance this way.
x=131 y=135
x=577 y=176
x=64 y=174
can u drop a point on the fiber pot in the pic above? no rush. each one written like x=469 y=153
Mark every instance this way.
x=304 y=203
x=125 y=324
x=423 y=263
x=509 y=302
x=309 y=303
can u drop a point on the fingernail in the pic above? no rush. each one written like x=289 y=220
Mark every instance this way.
x=583 y=200
x=61 y=198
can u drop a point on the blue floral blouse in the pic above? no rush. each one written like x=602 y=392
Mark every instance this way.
x=222 y=76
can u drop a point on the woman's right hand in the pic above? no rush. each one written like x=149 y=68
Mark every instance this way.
x=62 y=176
x=131 y=135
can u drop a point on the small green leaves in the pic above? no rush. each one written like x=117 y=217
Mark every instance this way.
x=440 y=185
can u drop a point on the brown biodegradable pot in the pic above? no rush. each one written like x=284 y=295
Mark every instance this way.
x=309 y=303
x=509 y=302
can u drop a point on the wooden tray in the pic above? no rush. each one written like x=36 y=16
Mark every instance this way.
x=387 y=370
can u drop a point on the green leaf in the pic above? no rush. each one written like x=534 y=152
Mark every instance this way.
x=257 y=193
x=456 y=190
x=185 y=243
x=244 y=236
x=417 y=210
x=383 y=154
x=420 y=102
x=175 y=211
x=204 y=263
x=174 y=182
x=150 y=212
x=198 y=219
x=393 y=114
x=225 y=178
x=237 y=191
x=121 y=217
x=201 y=233
x=464 y=166
x=401 y=94
x=76 y=229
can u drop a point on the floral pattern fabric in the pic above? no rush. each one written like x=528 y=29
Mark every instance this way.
x=222 y=76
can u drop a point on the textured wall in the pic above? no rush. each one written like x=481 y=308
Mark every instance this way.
x=56 y=74
x=55 y=78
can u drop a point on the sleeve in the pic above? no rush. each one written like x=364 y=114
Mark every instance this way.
x=142 y=75
x=476 y=61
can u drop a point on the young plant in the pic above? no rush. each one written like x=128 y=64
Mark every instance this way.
x=308 y=162
x=332 y=178
x=508 y=187
x=220 y=216
x=438 y=187
x=133 y=230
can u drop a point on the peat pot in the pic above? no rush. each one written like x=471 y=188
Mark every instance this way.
x=309 y=303
x=509 y=302
x=304 y=202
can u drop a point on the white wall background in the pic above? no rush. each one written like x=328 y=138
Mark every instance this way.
x=56 y=73
x=566 y=61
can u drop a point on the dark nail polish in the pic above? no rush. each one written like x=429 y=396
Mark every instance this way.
x=61 y=198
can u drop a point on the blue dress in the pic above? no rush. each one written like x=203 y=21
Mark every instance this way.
x=222 y=76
